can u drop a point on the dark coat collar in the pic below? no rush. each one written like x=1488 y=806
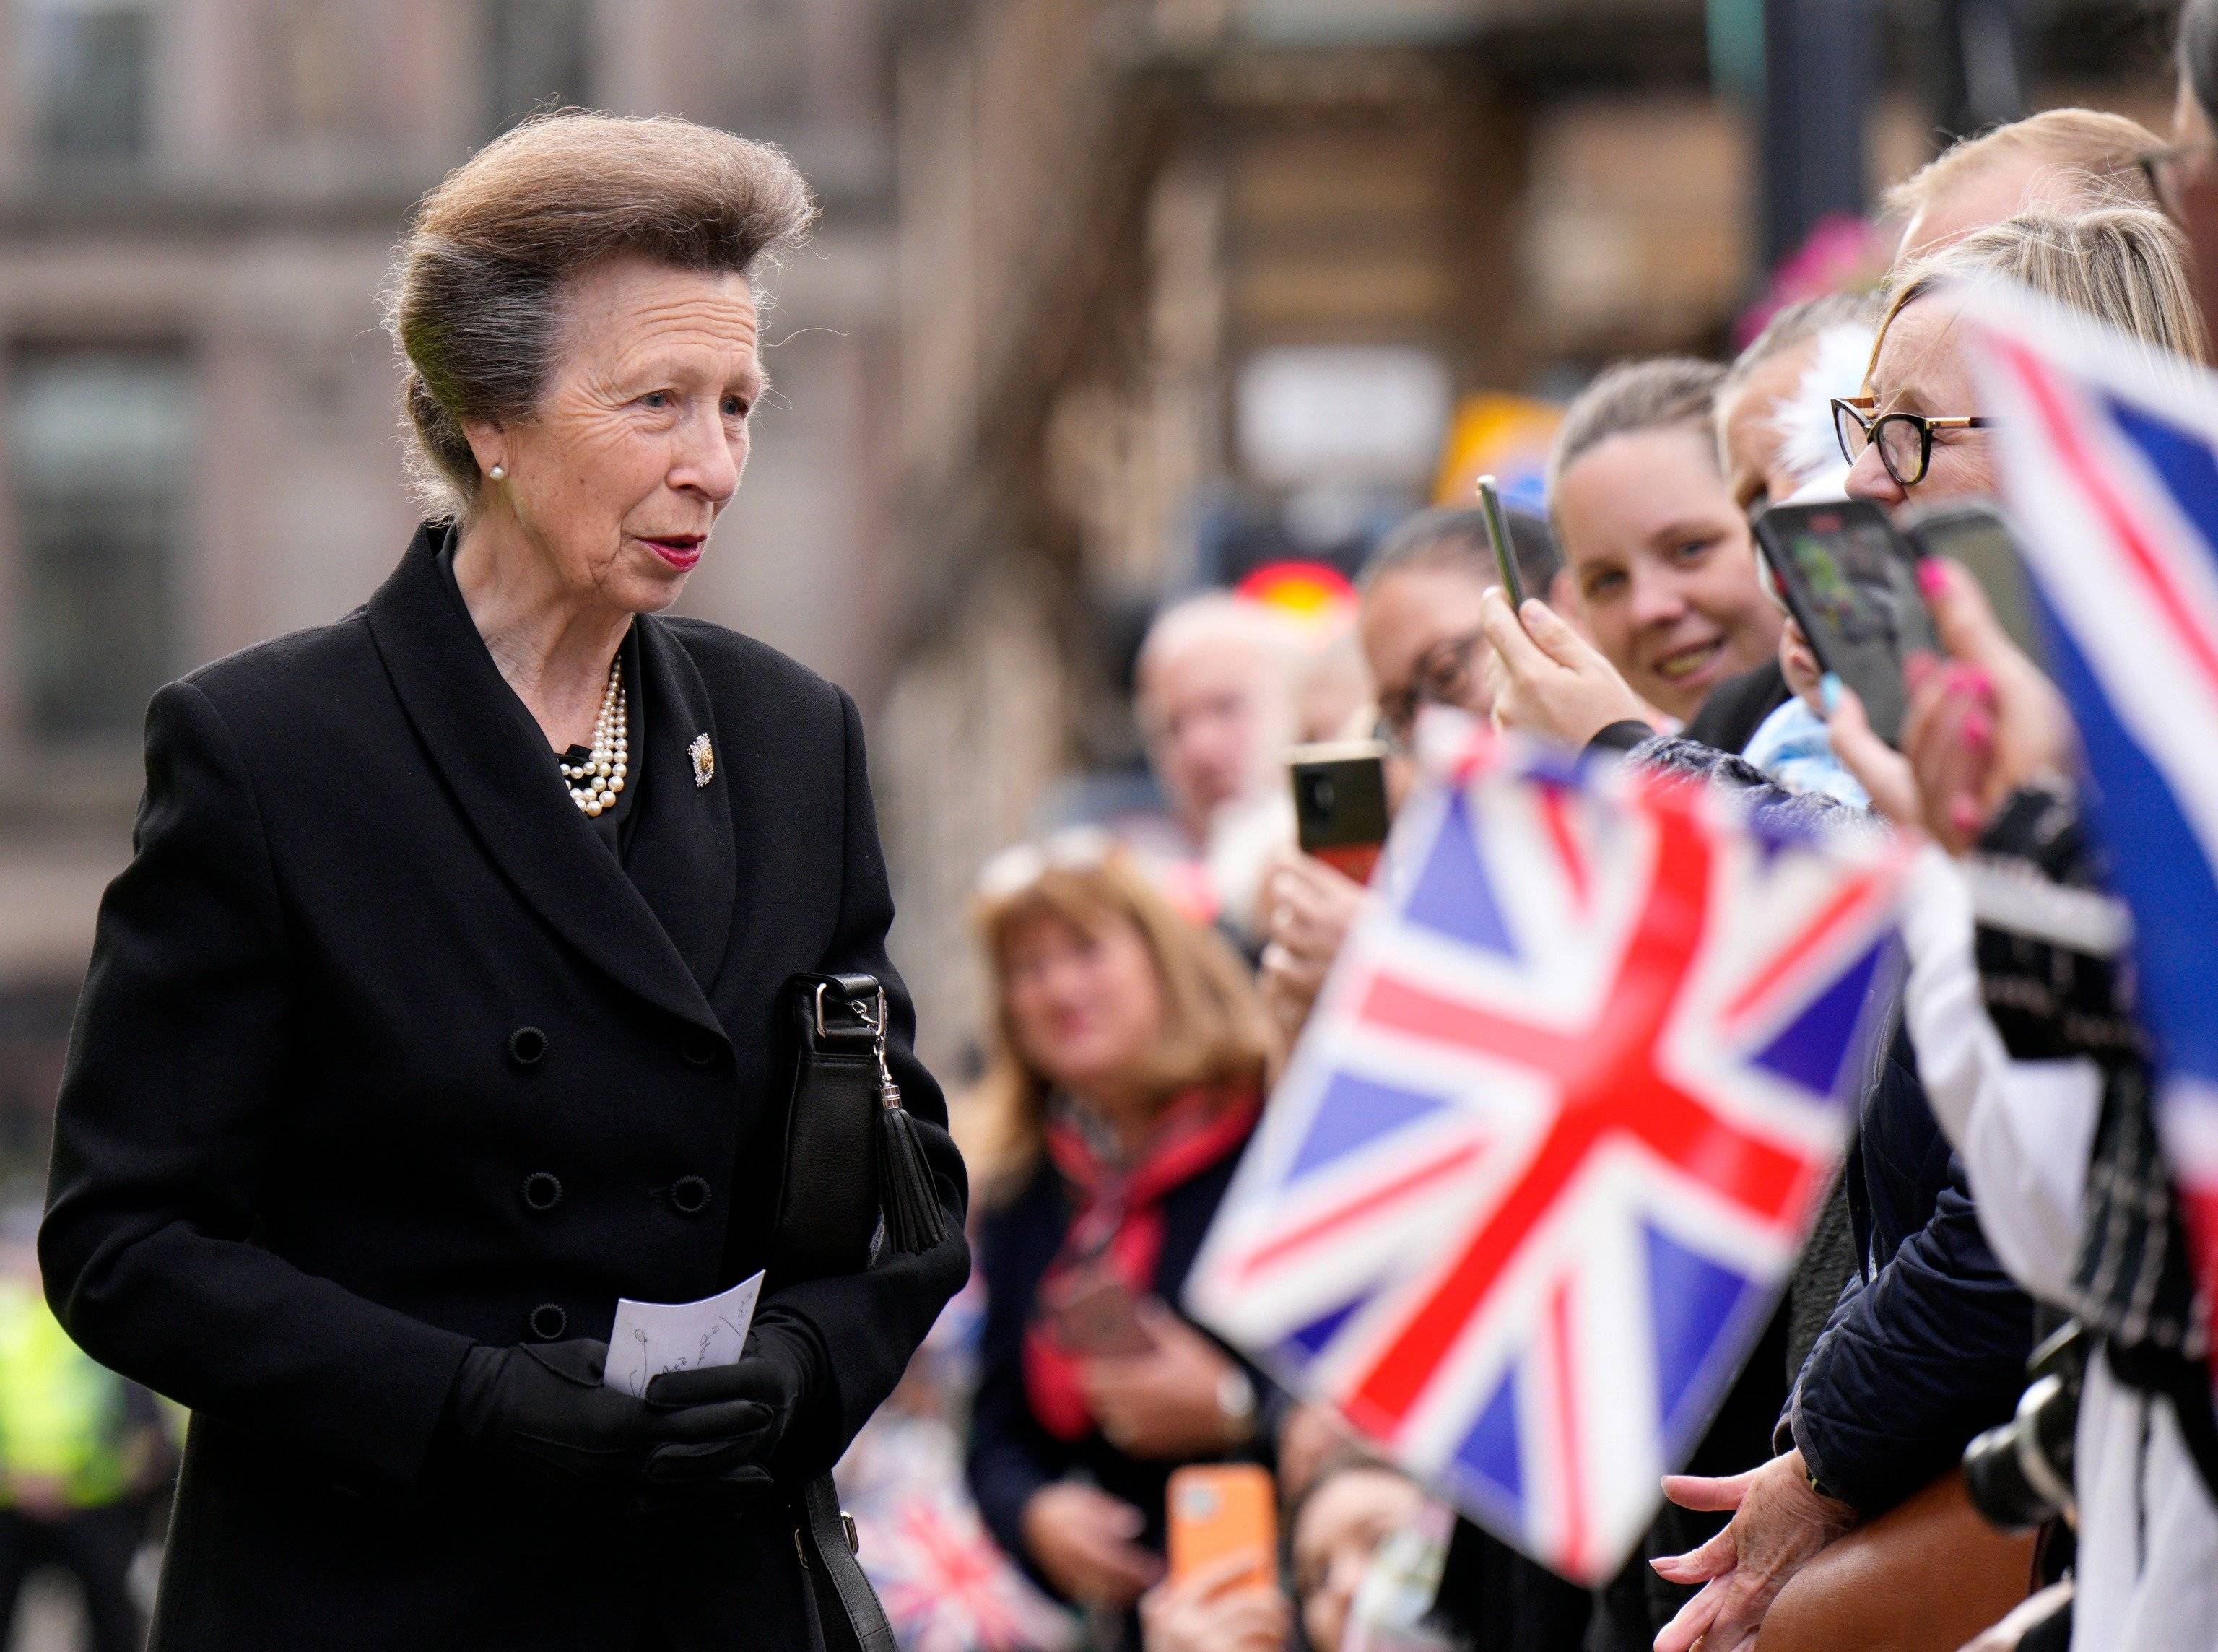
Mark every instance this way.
x=661 y=931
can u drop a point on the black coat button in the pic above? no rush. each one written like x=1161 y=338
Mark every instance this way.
x=526 y=1045
x=548 y=1322
x=691 y=1194
x=698 y=1048
x=542 y=1191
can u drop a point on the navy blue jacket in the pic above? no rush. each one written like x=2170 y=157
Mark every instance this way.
x=1929 y=1342
x=1012 y=1456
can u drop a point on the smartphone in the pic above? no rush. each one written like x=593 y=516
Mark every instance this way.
x=1218 y=1510
x=1851 y=581
x=1976 y=536
x=1340 y=803
x=1498 y=534
x=1095 y=1313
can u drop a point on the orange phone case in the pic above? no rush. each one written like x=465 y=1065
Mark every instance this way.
x=1218 y=1509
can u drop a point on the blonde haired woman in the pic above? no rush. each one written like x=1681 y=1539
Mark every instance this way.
x=1916 y=428
x=1130 y=1056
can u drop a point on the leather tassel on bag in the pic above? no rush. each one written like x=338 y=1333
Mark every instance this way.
x=906 y=1194
x=907 y=1198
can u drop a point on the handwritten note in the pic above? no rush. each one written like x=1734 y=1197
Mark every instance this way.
x=651 y=1338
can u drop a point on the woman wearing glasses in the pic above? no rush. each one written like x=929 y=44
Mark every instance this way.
x=1916 y=432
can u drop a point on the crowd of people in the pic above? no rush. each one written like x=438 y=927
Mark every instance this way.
x=1980 y=1415
x=2003 y=1243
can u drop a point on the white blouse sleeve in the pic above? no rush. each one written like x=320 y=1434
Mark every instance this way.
x=2023 y=1128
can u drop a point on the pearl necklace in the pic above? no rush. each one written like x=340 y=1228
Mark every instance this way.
x=595 y=783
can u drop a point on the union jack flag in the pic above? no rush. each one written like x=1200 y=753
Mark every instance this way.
x=2108 y=459
x=1542 y=1162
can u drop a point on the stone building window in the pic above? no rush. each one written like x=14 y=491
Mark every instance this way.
x=536 y=57
x=99 y=443
x=90 y=72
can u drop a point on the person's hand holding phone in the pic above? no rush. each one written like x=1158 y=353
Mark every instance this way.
x=1085 y=1543
x=1219 y=1608
x=1165 y=1403
x=1546 y=679
x=1979 y=725
x=1308 y=910
x=1949 y=714
x=2010 y=728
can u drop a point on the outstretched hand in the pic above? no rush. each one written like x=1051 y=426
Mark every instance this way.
x=1546 y=679
x=1780 y=1523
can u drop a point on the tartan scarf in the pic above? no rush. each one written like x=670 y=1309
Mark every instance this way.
x=1118 y=1223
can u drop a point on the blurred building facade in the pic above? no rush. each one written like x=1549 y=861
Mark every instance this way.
x=1190 y=284
x=198 y=437
x=1112 y=298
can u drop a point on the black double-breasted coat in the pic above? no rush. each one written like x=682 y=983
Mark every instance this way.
x=383 y=1054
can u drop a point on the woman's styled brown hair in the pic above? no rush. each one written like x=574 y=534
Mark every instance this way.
x=473 y=302
x=1214 y=1029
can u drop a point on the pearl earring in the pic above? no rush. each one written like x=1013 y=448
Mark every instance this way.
x=498 y=473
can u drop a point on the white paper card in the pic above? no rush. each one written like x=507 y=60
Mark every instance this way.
x=651 y=1338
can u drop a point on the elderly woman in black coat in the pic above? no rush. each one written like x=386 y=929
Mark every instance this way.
x=434 y=1013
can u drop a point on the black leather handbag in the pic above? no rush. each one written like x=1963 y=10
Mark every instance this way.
x=855 y=1181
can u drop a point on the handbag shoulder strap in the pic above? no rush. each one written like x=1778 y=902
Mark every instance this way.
x=835 y=1011
x=846 y=1606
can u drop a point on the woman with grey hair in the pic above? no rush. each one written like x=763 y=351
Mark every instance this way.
x=434 y=1013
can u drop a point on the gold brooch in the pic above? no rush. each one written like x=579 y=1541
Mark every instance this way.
x=704 y=759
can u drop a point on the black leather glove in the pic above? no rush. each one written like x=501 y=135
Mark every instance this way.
x=780 y=1370
x=542 y=1413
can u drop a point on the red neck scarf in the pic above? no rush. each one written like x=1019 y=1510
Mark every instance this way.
x=1118 y=1227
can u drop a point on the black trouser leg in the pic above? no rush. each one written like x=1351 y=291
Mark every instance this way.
x=98 y=1545
x=20 y=1552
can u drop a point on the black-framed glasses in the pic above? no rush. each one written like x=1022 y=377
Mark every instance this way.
x=1905 y=440
x=1441 y=676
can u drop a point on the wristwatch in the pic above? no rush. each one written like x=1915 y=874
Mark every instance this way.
x=1235 y=1398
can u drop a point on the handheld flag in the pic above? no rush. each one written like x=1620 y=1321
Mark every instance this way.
x=1543 y=1160
x=2108 y=460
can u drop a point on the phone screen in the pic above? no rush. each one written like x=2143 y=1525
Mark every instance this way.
x=1977 y=536
x=1851 y=581
x=1340 y=804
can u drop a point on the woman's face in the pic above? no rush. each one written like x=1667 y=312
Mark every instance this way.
x=638 y=441
x=1920 y=368
x=1664 y=566
x=1340 y=1528
x=1417 y=619
x=1085 y=1005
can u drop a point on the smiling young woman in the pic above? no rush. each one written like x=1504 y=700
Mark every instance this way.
x=1659 y=549
x=435 y=1013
